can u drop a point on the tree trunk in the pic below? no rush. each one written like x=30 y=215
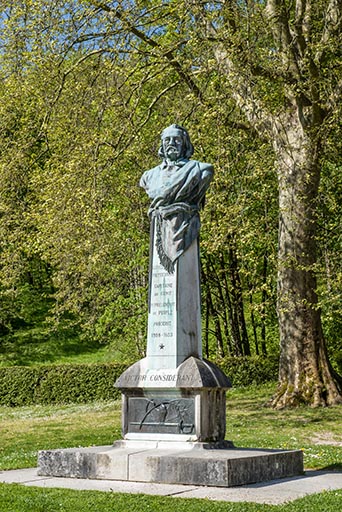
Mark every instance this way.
x=217 y=294
x=235 y=345
x=216 y=316
x=263 y=307
x=305 y=374
x=254 y=327
x=238 y=301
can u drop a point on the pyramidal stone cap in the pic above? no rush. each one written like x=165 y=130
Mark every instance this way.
x=202 y=373
x=193 y=373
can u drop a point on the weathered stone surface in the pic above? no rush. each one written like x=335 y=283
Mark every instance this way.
x=200 y=373
x=203 y=465
x=194 y=414
x=95 y=462
x=174 y=318
x=190 y=374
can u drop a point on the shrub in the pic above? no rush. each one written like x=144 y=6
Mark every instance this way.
x=77 y=383
x=20 y=385
x=245 y=371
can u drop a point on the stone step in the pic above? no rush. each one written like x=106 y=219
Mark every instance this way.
x=169 y=462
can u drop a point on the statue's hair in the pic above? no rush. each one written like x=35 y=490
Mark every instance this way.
x=188 y=148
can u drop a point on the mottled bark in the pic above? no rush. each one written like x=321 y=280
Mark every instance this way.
x=305 y=375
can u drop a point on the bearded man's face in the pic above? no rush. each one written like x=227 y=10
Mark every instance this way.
x=173 y=146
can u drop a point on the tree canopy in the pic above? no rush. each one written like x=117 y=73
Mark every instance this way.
x=86 y=88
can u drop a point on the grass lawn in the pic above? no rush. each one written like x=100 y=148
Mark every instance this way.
x=250 y=423
x=15 y=498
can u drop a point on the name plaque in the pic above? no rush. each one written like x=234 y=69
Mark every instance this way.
x=149 y=378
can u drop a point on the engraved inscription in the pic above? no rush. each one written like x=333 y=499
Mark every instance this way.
x=155 y=377
x=162 y=313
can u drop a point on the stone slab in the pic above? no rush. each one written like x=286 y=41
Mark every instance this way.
x=274 y=492
x=173 y=465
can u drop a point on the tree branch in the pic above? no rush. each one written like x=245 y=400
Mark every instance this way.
x=169 y=55
x=302 y=24
x=332 y=26
x=241 y=86
x=59 y=91
x=278 y=17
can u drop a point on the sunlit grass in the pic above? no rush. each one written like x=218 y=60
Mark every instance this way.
x=317 y=431
x=15 y=498
x=25 y=430
x=250 y=423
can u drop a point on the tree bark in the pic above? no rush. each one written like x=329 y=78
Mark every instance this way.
x=263 y=307
x=216 y=318
x=305 y=374
x=238 y=301
x=254 y=327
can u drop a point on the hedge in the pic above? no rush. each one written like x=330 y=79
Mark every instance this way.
x=80 y=383
x=68 y=383
x=246 y=371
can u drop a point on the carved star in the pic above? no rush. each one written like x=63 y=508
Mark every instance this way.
x=161 y=346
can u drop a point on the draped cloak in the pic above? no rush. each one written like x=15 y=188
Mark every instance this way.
x=177 y=193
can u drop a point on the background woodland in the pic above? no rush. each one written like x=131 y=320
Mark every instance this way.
x=85 y=91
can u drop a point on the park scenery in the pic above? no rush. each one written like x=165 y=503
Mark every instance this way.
x=170 y=221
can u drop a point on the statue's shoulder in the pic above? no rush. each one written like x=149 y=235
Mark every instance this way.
x=155 y=169
x=204 y=167
x=149 y=175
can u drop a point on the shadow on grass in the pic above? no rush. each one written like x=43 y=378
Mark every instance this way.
x=336 y=467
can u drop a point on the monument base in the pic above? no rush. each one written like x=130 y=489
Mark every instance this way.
x=209 y=464
x=187 y=403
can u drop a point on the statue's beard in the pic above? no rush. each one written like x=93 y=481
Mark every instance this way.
x=172 y=153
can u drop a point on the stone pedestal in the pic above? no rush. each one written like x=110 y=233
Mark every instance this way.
x=186 y=404
x=173 y=401
x=173 y=393
x=211 y=464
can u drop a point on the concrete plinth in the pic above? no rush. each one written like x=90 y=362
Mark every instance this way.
x=177 y=463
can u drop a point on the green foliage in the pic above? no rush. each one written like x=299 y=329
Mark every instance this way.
x=83 y=99
x=58 y=383
x=20 y=385
x=246 y=371
x=330 y=247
